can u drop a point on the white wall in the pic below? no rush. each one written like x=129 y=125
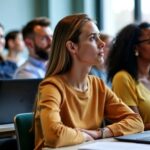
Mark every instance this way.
x=15 y=13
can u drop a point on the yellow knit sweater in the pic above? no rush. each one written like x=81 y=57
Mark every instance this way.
x=61 y=109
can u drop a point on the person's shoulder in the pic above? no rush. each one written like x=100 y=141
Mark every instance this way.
x=26 y=66
x=122 y=75
x=7 y=69
x=53 y=80
x=8 y=65
x=97 y=84
x=54 y=84
x=26 y=70
x=95 y=79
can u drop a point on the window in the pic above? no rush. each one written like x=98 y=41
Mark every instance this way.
x=145 y=7
x=117 y=14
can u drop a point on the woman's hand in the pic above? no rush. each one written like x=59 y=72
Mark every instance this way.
x=87 y=137
x=95 y=134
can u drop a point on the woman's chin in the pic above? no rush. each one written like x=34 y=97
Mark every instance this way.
x=101 y=61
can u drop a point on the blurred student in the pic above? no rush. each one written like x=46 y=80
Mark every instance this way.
x=7 y=68
x=15 y=46
x=71 y=104
x=37 y=36
x=100 y=69
x=129 y=68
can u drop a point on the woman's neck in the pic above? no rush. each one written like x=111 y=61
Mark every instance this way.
x=143 y=70
x=144 y=74
x=77 y=79
x=13 y=54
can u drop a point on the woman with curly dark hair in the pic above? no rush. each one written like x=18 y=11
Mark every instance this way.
x=129 y=68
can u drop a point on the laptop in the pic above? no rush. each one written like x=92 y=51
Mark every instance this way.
x=142 y=137
x=16 y=96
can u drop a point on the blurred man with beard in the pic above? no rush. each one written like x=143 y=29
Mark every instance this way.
x=37 y=36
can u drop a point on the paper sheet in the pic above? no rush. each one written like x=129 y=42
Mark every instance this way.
x=114 y=146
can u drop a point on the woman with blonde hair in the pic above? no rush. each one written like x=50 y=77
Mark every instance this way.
x=71 y=104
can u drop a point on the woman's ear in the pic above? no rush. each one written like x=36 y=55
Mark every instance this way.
x=72 y=47
x=136 y=51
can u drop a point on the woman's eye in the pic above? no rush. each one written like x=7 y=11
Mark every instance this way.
x=93 y=37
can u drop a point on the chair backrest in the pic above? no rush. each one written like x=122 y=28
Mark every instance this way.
x=23 y=125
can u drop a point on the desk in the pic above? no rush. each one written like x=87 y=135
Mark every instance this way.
x=104 y=144
x=76 y=147
x=7 y=129
x=7 y=137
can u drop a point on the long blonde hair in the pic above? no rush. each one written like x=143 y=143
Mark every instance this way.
x=69 y=28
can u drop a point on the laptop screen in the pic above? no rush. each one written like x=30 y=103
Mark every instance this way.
x=16 y=96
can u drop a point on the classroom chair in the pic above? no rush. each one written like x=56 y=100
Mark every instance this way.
x=23 y=125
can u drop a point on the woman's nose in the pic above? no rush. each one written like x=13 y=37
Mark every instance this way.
x=101 y=43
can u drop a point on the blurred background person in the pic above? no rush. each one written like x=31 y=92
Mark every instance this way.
x=2 y=38
x=100 y=69
x=7 y=68
x=37 y=36
x=129 y=68
x=15 y=46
